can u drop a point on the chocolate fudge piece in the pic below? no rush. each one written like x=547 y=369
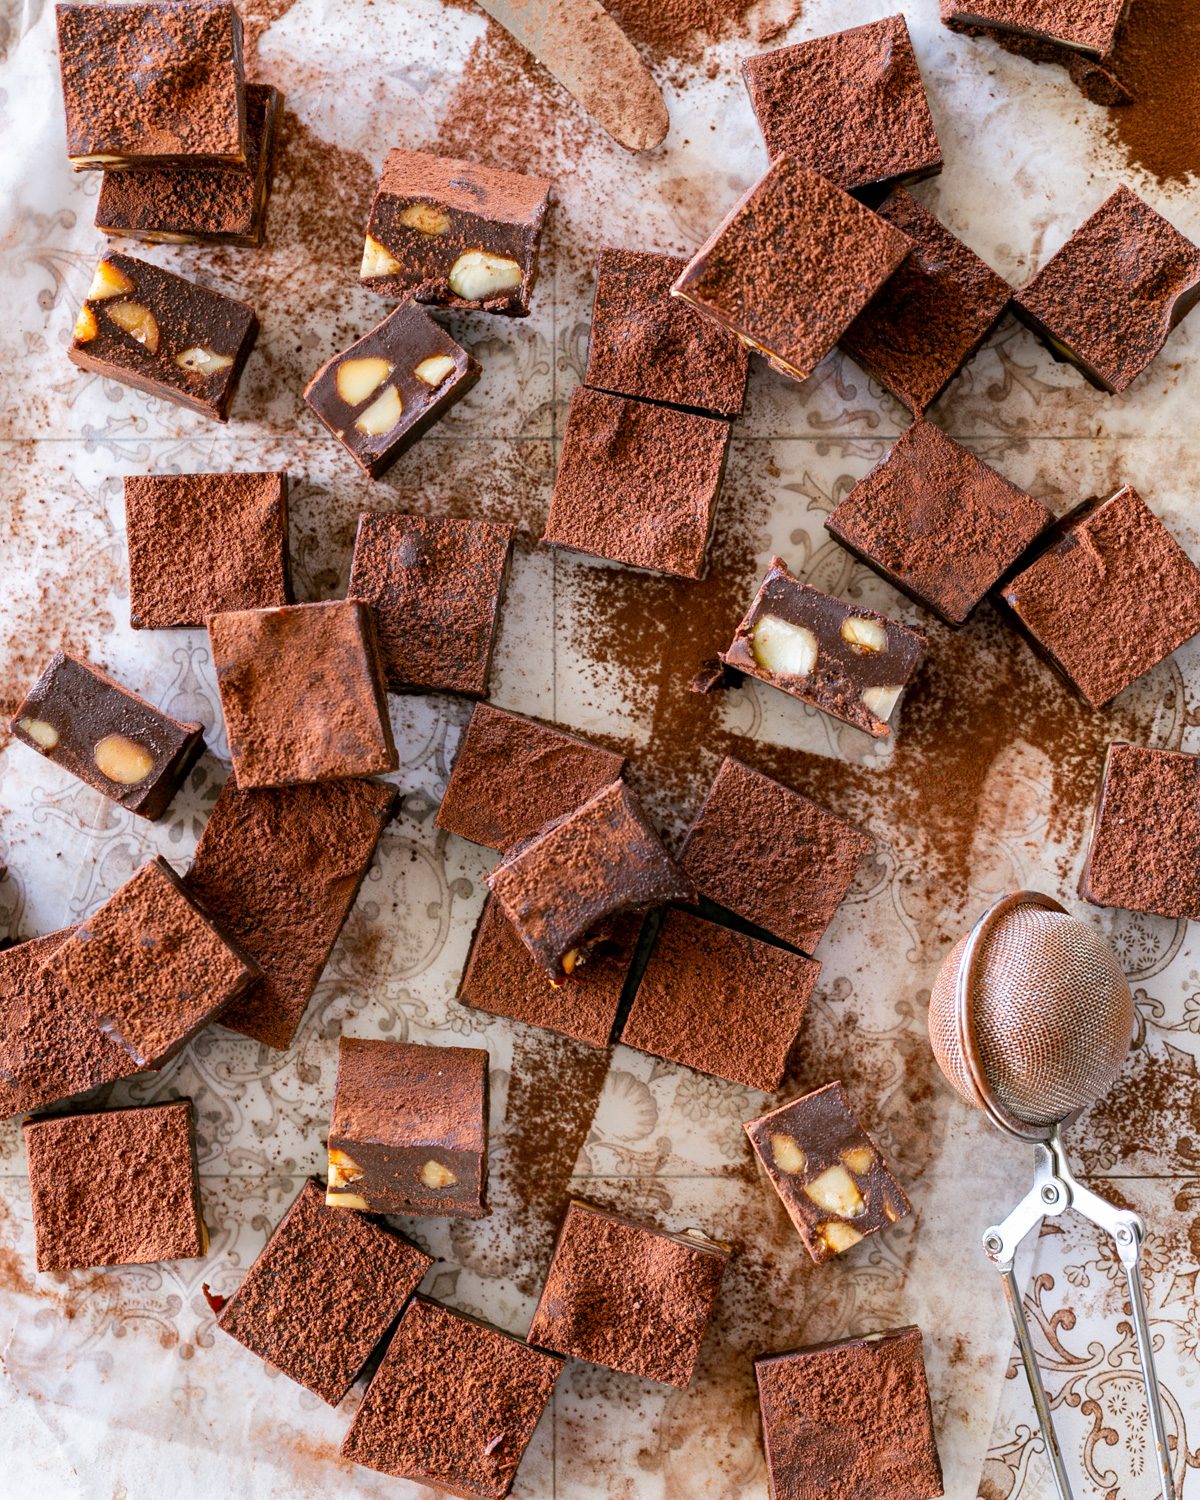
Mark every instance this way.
x=381 y=394
x=116 y=742
x=302 y=692
x=512 y=775
x=152 y=84
x=849 y=1420
x=453 y=1405
x=563 y=888
x=850 y=105
x=200 y=544
x=409 y=1130
x=829 y=1174
x=646 y=343
x=770 y=855
x=324 y=1290
x=851 y=663
x=791 y=266
x=928 y=320
x=502 y=978
x=434 y=586
x=1145 y=846
x=280 y=869
x=638 y=483
x=115 y=1188
x=938 y=523
x=199 y=205
x=1110 y=595
x=628 y=1296
x=163 y=335
x=720 y=1001
x=454 y=233
x=1110 y=297
x=1088 y=26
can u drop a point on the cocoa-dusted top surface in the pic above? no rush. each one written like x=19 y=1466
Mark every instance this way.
x=512 y=775
x=280 y=870
x=1090 y=25
x=411 y=1092
x=115 y=1188
x=322 y=1293
x=466 y=186
x=924 y=323
x=646 y=343
x=851 y=105
x=850 y=1421
x=938 y=522
x=453 y=1404
x=1112 y=294
x=637 y=483
x=1110 y=596
x=627 y=1296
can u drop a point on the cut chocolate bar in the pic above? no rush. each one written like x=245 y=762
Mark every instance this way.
x=1088 y=26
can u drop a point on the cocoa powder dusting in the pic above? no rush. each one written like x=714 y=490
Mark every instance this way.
x=684 y=28
x=1154 y=58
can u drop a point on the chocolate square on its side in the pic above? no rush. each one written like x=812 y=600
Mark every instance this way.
x=453 y=1404
x=116 y=1187
x=720 y=1001
x=638 y=483
x=851 y=105
x=1110 y=297
x=302 y=692
x=791 y=266
x=928 y=320
x=324 y=1290
x=280 y=869
x=409 y=1130
x=1110 y=595
x=938 y=523
x=628 y=1296
x=434 y=586
x=849 y=1420
x=1085 y=26
x=830 y=1175
x=512 y=775
x=454 y=233
x=770 y=855
x=645 y=343
x=201 y=544
x=120 y=745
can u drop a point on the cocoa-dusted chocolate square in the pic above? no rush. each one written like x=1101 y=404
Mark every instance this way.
x=1110 y=595
x=120 y=745
x=324 y=1290
x=1110 y=297
x=932 y=316
x=849 y=1420
x=454 y=233
x=153 y=83
x=153 y=330
x=280 y=868
x=512 y=775
x=302 y=693
x=644 y=343
x=851 y=105
x=628 y=1296
x=791 y=266
x=720 y=1001
x=938 y=523
x=563 y=889
x=199 y=205
x=1144 y=853
x=502 y=978
x=409 y=1130
x=200 y=544
x=771 y=856
x=434 y=586
x=638 y=483
x=453 y=1404
x=150 y=967
x=1088 y=26
x=115 y=1187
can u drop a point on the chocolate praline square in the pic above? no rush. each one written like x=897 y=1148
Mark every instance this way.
x=1090 y=26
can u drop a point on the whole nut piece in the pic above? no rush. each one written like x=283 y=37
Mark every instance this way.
x=426 y=218
x=377 y=260
x=837 y=1236
x=783 y=649
x=107 y=281
x=788 y=1154
x=356 y=379
x=138 y=322
x=343 y=1169
x=86 y=328
x=122 y=760
x=858 y=1159
x=435 y=369
x=882 y=700
x=44 y=735
x=435 y=1176
x=201 y=361
x=477 y=275
x=334 y=1199
x=382 y=414
x=864 y=634
x=837 y=1193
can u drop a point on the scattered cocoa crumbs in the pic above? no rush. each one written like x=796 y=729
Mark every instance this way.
x=684 y=28
x=1155 y=58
